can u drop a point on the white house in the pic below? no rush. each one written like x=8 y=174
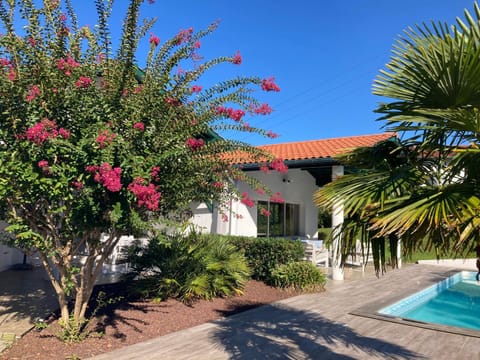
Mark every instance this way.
x=311 y=164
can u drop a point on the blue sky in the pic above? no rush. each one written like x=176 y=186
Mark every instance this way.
x=323 y=54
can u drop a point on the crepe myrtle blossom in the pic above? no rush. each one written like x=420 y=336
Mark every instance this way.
x=237 y=58
x=32 y=93
x=32 y=41
x=263 y=109
x=260 y=191
x=196 y=88
x=272 y=135
x=195 y=144
x=67 y=65
x=269 y=85
x=83 y=82
x=64 y=133
x=265 y=212
x=279 y=165
x=77 y=184
x=236 y=115
x=246 y=200
x=154 y=171
x=277 y=198
x=139 y=126
x=154 y=40
x=218 y=184
x=184 y=35
x=43 y=164
x=106 y=175
x=42 y=131
x=147 y=195
x=104 y=138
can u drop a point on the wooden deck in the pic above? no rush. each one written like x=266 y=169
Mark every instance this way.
x=317 y=326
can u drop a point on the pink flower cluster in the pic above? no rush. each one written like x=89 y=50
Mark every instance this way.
x=237 y=58
x=154 y=40
x=277 y=198
x=269 y=85
x=32 y=41
x=104 y=138
x=279 y=165
x=147 y=195
x=260 y=191
x=172 y=101
x=264 y=168
x=106 y=176
x=217 y=184
x=44 y=130
x=77 y=184
x=196 y=88
x=272 y=135
x=32 y=93
x=43 y=165
x=67 y=65
x=139 y=126
x=263 y=109
x=83 y=82
x=4 y=62
x=154 y=172
x=236 y=115
x=184 y=36
x=195 y=144
x=246 y=200
x=265 y=212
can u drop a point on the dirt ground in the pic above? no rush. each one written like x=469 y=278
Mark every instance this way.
x=130 y=322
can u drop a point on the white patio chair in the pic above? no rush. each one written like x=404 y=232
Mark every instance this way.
x=316 y=252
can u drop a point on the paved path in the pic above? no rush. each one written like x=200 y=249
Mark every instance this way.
x=316 y=326
x=24 y=296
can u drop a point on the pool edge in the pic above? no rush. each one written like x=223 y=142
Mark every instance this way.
x=371 y=309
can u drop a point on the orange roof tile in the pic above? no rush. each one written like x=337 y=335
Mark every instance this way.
x=327 y=148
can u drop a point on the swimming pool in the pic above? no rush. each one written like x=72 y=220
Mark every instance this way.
x=454 y=301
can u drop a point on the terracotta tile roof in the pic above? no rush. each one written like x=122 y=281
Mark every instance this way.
x=327 y=148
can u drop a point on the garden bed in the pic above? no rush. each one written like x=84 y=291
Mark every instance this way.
x=130 y=322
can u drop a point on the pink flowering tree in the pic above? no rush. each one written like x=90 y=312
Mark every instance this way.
x=93 y=148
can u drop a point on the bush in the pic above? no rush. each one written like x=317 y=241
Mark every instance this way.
x=299 y=275
x=265 y=254
x=189 y=268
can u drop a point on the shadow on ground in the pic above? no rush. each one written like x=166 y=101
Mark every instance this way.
x=25 y=294
x=280 y=332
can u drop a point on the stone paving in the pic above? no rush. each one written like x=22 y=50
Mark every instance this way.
x=316 y=326
x=25 y=295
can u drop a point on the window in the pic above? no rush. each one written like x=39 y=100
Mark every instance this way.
x=282 y=219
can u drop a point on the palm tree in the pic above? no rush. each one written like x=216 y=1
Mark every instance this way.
x=434 y=195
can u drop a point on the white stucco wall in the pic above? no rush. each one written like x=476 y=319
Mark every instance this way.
x=295 y=187
x=202 y=218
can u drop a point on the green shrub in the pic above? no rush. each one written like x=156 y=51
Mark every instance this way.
x=265 y=254
x=300 y=275
x=189 y=268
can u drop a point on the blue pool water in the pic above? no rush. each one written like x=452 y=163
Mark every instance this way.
x=454 y=301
